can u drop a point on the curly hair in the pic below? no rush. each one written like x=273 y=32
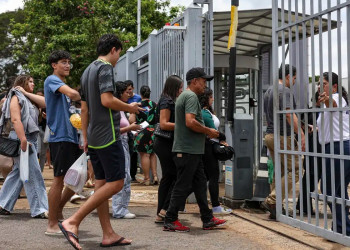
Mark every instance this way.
x=22 y=81
x=204 y=99
x=120 y=89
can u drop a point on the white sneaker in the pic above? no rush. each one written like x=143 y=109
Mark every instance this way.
x=77 y=197
x=221 y=210
x=129 y=216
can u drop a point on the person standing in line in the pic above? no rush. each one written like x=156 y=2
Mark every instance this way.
x=324 y=134
x=42 y=146
x=144 y=139
x=100 y=119
x=133 y=97
x=163 y=146
x=20 y=109
x=211 y=163
x=188 y=149
x=63 y=140
x=292 y=120
x=120 y=201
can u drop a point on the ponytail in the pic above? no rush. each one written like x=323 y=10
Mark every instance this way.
x=345 y=95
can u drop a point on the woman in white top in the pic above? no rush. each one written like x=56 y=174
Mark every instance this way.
x=210 y=162
x=325 y=133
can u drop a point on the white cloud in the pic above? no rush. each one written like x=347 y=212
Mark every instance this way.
x=9 y=5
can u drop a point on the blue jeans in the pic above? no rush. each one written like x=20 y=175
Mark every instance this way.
x=337 y=183
x=120 y=201
x=34 y=187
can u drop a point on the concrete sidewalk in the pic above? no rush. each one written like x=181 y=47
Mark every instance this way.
x=246 y=229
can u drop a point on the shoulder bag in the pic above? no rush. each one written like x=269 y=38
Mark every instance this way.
x=162 y=133
x=8 y=147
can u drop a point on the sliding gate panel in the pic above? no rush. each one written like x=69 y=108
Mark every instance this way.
x=312 y=163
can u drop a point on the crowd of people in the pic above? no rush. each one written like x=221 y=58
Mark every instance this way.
x=116 y=125
x=328 y=130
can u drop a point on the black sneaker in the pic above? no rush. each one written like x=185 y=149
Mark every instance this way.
x=271 y=208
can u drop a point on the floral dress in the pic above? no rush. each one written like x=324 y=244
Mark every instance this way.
x=144 y=140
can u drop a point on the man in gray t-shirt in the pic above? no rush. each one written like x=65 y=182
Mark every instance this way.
x=100 y=126
x=286 y=95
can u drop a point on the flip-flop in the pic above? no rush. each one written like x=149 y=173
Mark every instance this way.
x=58 y=233
x=67 y=234
x=117 y=243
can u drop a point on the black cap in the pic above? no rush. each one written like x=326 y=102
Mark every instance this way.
x=197 y=73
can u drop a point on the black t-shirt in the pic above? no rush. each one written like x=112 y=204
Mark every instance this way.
x=166 y=102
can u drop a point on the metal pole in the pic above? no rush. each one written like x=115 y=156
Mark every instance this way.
x=211 y=41
x=232 y=78
x=138 y=22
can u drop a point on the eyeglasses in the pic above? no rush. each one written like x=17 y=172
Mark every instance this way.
x=66 y=63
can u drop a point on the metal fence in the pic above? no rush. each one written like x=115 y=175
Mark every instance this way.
x=171 y=50
x=318 y=40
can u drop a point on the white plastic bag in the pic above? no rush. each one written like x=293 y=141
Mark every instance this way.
x=24 y=164
x=46 y=134
x=76 y=175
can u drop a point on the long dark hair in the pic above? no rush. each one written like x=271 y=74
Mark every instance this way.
x=204 y=99
x=171 y=87
x=335 y=81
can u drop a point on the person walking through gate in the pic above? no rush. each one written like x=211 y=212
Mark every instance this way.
x=270 y=201
x=100 y=126
x=63 y=140
x=324 y=133
x=188 y=148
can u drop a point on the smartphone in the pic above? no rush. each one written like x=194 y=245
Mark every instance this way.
x=144 y=125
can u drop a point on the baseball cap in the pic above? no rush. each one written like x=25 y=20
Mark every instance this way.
x=197 y=73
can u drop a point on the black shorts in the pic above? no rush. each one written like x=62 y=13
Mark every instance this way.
x=108 y=163
x=63 y=155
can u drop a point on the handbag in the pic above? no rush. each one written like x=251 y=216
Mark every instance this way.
x=222 y=152
x=8 y=146
x=162 y=133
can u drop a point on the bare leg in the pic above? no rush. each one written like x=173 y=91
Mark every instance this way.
x=153 y=160
x=55 y=208
x=99 y=200
x=145 y=164
x=65 y=197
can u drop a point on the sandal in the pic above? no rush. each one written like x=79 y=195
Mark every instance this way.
x=4 y=211
x=159 y=219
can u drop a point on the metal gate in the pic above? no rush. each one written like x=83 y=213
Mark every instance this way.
x=316 y=41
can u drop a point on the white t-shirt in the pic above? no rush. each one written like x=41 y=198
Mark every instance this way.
x=325 y=136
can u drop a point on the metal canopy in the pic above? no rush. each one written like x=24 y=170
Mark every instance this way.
x=255 y=30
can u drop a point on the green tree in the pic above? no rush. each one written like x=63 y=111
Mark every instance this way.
x=9 y=66
x=76 y=25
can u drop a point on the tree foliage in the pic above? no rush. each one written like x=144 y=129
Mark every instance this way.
x=76 y=25
x=9 y=66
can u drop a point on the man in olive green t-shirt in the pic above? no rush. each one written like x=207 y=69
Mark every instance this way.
x=188 y=148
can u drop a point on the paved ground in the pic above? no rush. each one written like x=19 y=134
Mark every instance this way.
x=20 y=231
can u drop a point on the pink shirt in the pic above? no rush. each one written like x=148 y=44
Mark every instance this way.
x=124 y=122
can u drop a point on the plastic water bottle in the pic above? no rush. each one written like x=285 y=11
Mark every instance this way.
x=24 y=164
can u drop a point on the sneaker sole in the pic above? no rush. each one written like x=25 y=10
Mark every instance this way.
x=213 y=227
x=166 y=229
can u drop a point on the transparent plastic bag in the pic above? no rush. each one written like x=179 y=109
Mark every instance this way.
x=46 y=134
x=76 y=175
x=24 y=164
